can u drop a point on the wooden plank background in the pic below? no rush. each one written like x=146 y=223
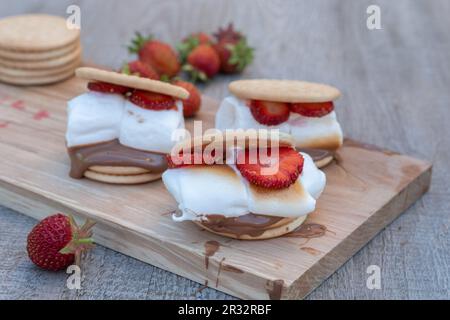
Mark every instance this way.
x=395 y=85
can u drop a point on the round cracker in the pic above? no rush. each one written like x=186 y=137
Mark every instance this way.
x=116 y=179
x=46 y=64
x=35 y=32
x=39 y=56
x=283 y=90
x=289 y=225
x=132 y=81
x=323 y=162
x=234 y=137
x=119 y=171
x=331 y=142
x=14 y=72
x=30 y=81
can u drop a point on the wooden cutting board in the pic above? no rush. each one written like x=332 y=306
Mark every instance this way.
x=366 y=189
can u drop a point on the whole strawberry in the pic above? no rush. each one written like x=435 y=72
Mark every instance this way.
x=202 y=63
x=191 y=42
x=56 y=242
x=140 y=69
x=159 y=55
x=193 y=103
x=233 y=50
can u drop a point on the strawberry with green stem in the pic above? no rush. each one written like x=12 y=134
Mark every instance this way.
x=202 y=63
x=190 y=43
x=233 y=50
x=57 y=242
x=159 y=55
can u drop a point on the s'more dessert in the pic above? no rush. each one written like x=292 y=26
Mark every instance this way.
x=243 y=185
x=303 y=109
x=121 y=129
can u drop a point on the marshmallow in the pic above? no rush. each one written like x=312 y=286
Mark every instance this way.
x=221 y=190
x=307 y=131
x=150 y=129
x=93 y=117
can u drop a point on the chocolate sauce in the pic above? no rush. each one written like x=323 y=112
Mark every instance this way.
x=211 y=247
x=311 y=251
x=112 y=153
x=317 y=154
x=275 y=289
x=229 y=268
x=249 y=224
x=219 y=270
x=308 y=230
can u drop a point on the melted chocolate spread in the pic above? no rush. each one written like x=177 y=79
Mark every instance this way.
x=112 y=153
x=249 y=224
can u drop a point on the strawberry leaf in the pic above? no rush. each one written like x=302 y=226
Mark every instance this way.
x=241 y=54
x=185 y=47
x=138 y=42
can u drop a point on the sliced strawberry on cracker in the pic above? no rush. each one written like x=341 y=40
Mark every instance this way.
x=311 y=109
x=286 y=167
x=269 y=113
x=152 y=100
x=105 y=87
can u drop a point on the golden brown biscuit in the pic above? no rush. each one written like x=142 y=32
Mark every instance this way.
x=14 y=72
x=120 y=171
x=122 y=179
x=242 y=138
x=44 y=64
x=331 y=142
x=29 y=81
x=35 y=32
x=38 y=56
x=132 y=81
x=323 y=162
x=283 y=90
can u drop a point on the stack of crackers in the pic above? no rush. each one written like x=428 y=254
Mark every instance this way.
x=37 y=49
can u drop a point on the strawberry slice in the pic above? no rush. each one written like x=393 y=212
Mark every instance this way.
x=152 y=100
x=268 y=112
x=289 y=162
x=107 y=87
x=310 y=109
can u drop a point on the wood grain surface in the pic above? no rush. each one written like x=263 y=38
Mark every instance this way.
x=395 y=93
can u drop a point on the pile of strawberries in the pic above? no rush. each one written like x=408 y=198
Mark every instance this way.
x=200 y=57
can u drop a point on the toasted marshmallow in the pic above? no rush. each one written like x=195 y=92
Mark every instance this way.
x=205 y=190
x=220 y=189
x=308 y=132
x=150 y=129
x=94 y=117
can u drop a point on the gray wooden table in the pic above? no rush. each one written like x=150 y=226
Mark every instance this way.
x=396 y=93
